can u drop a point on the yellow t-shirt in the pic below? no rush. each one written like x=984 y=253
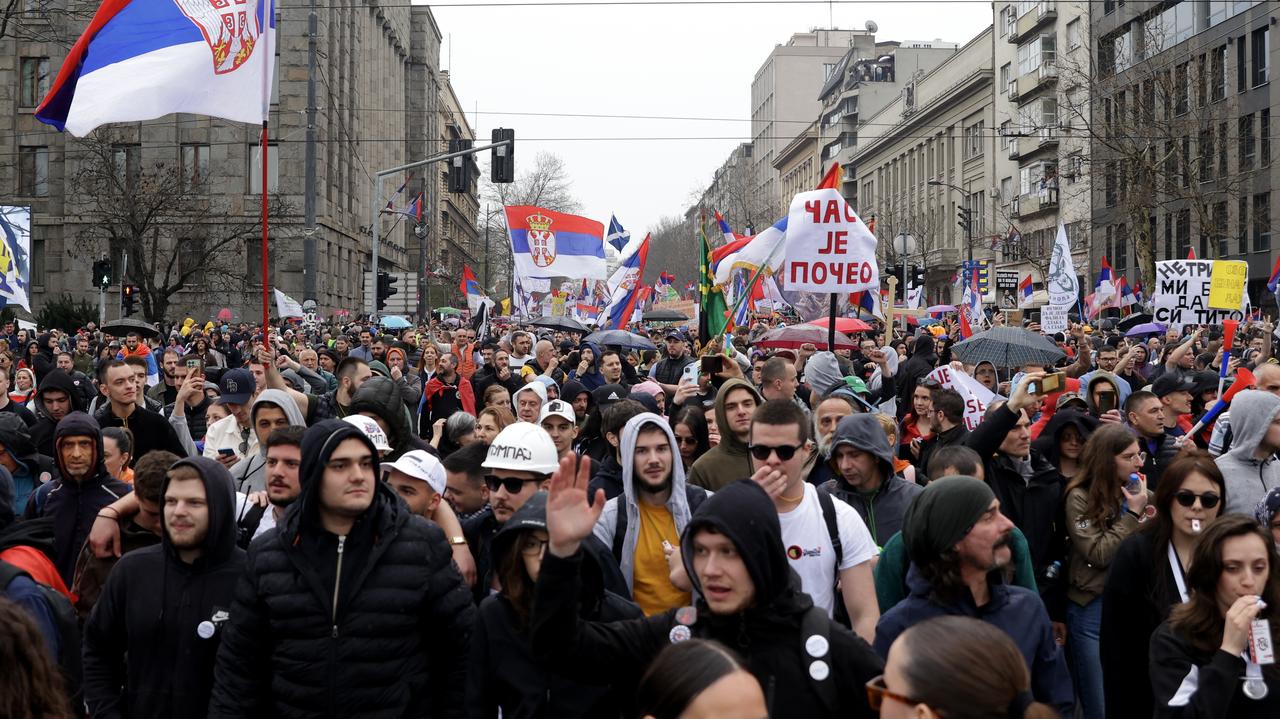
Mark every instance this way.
x=651 y=578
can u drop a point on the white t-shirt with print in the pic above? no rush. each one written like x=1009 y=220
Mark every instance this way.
x=809 y=548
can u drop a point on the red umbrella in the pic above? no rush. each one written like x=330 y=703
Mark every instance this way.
x=847 y=325
x=794 y=336
x=224 y=314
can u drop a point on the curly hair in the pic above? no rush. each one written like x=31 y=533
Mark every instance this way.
x=31 y=686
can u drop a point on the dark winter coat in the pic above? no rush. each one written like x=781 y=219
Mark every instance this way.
x=32 y=469
x=767 y=636
x=151 y=431
x=1214 y=679
x=882 y=510
x=42 y=431
x=143 y=656
x=922 y=361
x=391 y=641
x=381 y=396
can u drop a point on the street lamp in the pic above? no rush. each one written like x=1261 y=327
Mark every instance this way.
x=966 y=213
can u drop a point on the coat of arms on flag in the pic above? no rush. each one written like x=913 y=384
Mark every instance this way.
x=227 y=28
x=542 y=241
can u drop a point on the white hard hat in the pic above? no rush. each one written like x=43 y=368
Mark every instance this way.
x=523 y=447
x=371 y=430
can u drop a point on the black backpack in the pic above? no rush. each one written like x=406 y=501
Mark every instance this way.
x=695 y=495
x=68 y=629
x=833 y=532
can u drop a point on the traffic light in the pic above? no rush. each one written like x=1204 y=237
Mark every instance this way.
x=386 y=288
x=459 y=167
x=502 y=160
x=917 y=276
x=102 y=274
x=966 y=219
x=128 y=296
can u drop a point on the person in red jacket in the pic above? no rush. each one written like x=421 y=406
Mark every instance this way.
x=447 y=392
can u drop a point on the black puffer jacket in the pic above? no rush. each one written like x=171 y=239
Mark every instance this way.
x=393 y=641
x=769 y=636
x=381 y=396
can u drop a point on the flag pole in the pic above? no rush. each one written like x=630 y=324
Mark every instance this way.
x=268 y=10
x=265 y=311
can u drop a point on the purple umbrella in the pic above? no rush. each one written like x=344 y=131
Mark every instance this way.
x=937 y=309
x=1150 y=328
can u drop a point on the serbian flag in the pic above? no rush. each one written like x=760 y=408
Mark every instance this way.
x=751 y=253
x=142 y=59
x=1137 y=287
x=1025 y=290
x=1126 y=294
x=472 y=290
x=1273 y=282
x=552 y=244
x=627 y=288
x=1106 y=294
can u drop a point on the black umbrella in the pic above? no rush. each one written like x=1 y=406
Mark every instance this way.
x=125 y=325
x=559 y=323
x=1134 y=320
x=665 y=316
x=1008 y=347
x=621 y=338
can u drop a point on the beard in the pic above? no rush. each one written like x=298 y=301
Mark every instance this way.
x=642 y=484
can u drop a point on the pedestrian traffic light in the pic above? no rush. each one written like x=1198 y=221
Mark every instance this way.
x=386 y=288
x=917 y=276
x=966 y=219
x=128 y=296
x=102 y=273
x=459 y=167
x=502 y=160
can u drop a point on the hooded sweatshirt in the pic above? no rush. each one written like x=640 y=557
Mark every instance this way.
x=381 y=396
x=42 y=432
x=152 y=611
x=250 y=474
x=74 y=505
x=922 y=361
x=1093 y=378
x=677 y=504
x=1248 y=478
x=767 y=634
x=728 y=461
x=32 y=469
x=881 y=508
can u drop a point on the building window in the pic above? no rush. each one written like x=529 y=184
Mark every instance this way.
x=128 y=164
x=1074 y=39
x=1110 y=183
x=1223 y=139
x=1264 y=137
x=973 y=141
x=1218 y=73
x=1220 y=228
x=1202 y=79
x=1242 y=65
x=1006 y=128
x=1242 y=225
x=1181 y=95
x=1006 y=190
x=1206 y=154
x=1245 y=130
x=190 y=260
x=255 y=169
x=1261 y=55
x=1168 y=236
x=33 y=171
x=1121 y=256
x=1005 y=79
x=35 y=81
x=1040 y=51
x=1184 y=232
x=1262 y=222
x=195 y=164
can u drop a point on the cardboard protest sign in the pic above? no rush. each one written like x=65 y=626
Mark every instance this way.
x=975 y=395
x=828 y=249
x=1181 y=295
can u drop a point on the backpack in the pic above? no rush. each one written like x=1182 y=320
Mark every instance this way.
x=693 y=494
x=833 y=532
x=68 y=629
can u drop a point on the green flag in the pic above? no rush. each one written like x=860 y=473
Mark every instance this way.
x=712 y=310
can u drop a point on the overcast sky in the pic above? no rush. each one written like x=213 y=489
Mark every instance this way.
x=679 y=61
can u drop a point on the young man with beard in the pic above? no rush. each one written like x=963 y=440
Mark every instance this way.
x=948 y=426
x=1145 y=413
x=446 y=392
x=497 y=372
x=521 y=346
x=283 y=457
x=351 y=373
x=959 y=543
x=56 y=398
x=386 y=641
x=646 y=520
x=668 y=371
x=729 y=460
x=150 y=643
x=862 y=467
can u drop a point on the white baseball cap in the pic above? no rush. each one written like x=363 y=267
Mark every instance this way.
x=371 y=430
x=421 y=464
x=559 y=408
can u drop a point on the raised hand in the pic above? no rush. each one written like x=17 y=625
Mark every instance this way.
x=570 y=518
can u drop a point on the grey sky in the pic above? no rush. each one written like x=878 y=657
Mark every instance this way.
x=685 y=61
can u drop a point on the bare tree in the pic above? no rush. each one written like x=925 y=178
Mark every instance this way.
x=927 y=226
x=177 y=236
x=673 y=248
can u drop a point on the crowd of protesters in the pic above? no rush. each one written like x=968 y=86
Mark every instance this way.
x=513 y=520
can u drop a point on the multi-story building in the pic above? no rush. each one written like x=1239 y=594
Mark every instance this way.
x=799 y=164
x=733 y=193
x=1181 y=133
x=378 y=97
x=455 y=239
x=925 y=155
x=1041 y=90
x=784 y=100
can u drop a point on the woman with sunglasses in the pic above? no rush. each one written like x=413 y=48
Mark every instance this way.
x=504 y=675
x=690 y=426
x=1202 y=658
x=1102 y=509
x=985 y=674
x=1148 y=576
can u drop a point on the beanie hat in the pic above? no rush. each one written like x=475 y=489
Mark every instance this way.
x=942 y=514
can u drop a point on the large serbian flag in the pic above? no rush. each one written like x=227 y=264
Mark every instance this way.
x=552 y=244
x=142 y=59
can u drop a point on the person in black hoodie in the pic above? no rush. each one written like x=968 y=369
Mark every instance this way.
x=504 y=675
x=749 y=599
x=151 y=640
x=81 y=490
x=923 y=360
x=351 y=606
x=56 y=397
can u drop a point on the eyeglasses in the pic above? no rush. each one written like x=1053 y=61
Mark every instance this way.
x=513 y=485
x=1186 y=498
x=534 y=547
x=785 y=452
x=877 y=692
x=686 y=440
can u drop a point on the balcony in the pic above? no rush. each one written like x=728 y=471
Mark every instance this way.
x=1044 y=200
x=1049 y=136
x=1012 y=90
x=1015 y=208
x=1043 y=77
x=1014 y=151
x=844 y=141
x=1045 y=12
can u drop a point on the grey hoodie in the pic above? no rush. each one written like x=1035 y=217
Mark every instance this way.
x=250 y=474
x=677 y=504
x=883 y=508
x=1249 y=479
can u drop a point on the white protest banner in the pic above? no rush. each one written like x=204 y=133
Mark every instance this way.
x=828 y=249
x=286 y=306
x=1181 y=294
x=1053 y=318
x=1061 y=282
x=976 y=396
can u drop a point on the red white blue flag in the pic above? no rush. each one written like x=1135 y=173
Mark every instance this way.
x=552 y=244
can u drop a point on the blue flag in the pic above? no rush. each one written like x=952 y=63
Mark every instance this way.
x=617 y=236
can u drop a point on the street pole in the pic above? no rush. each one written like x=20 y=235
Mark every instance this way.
x=102 y=304
x=309 y=192
x=487 y=259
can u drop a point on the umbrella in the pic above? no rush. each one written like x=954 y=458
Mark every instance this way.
x=125 y=325
x=392 y=322
x=847 y=325
x=1134 y=320
x=936 y=309
x=794 y=336
x=621 y=338
x=453 y=311
x=224 y=314
x=665 y=316
x=559 y=323
x=1147 y=328
x=1008 y=347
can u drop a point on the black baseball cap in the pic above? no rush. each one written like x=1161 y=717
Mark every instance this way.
x=1168 y=383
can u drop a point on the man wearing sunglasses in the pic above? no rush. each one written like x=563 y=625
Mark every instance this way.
x=1251 y=468
x=780 y=446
